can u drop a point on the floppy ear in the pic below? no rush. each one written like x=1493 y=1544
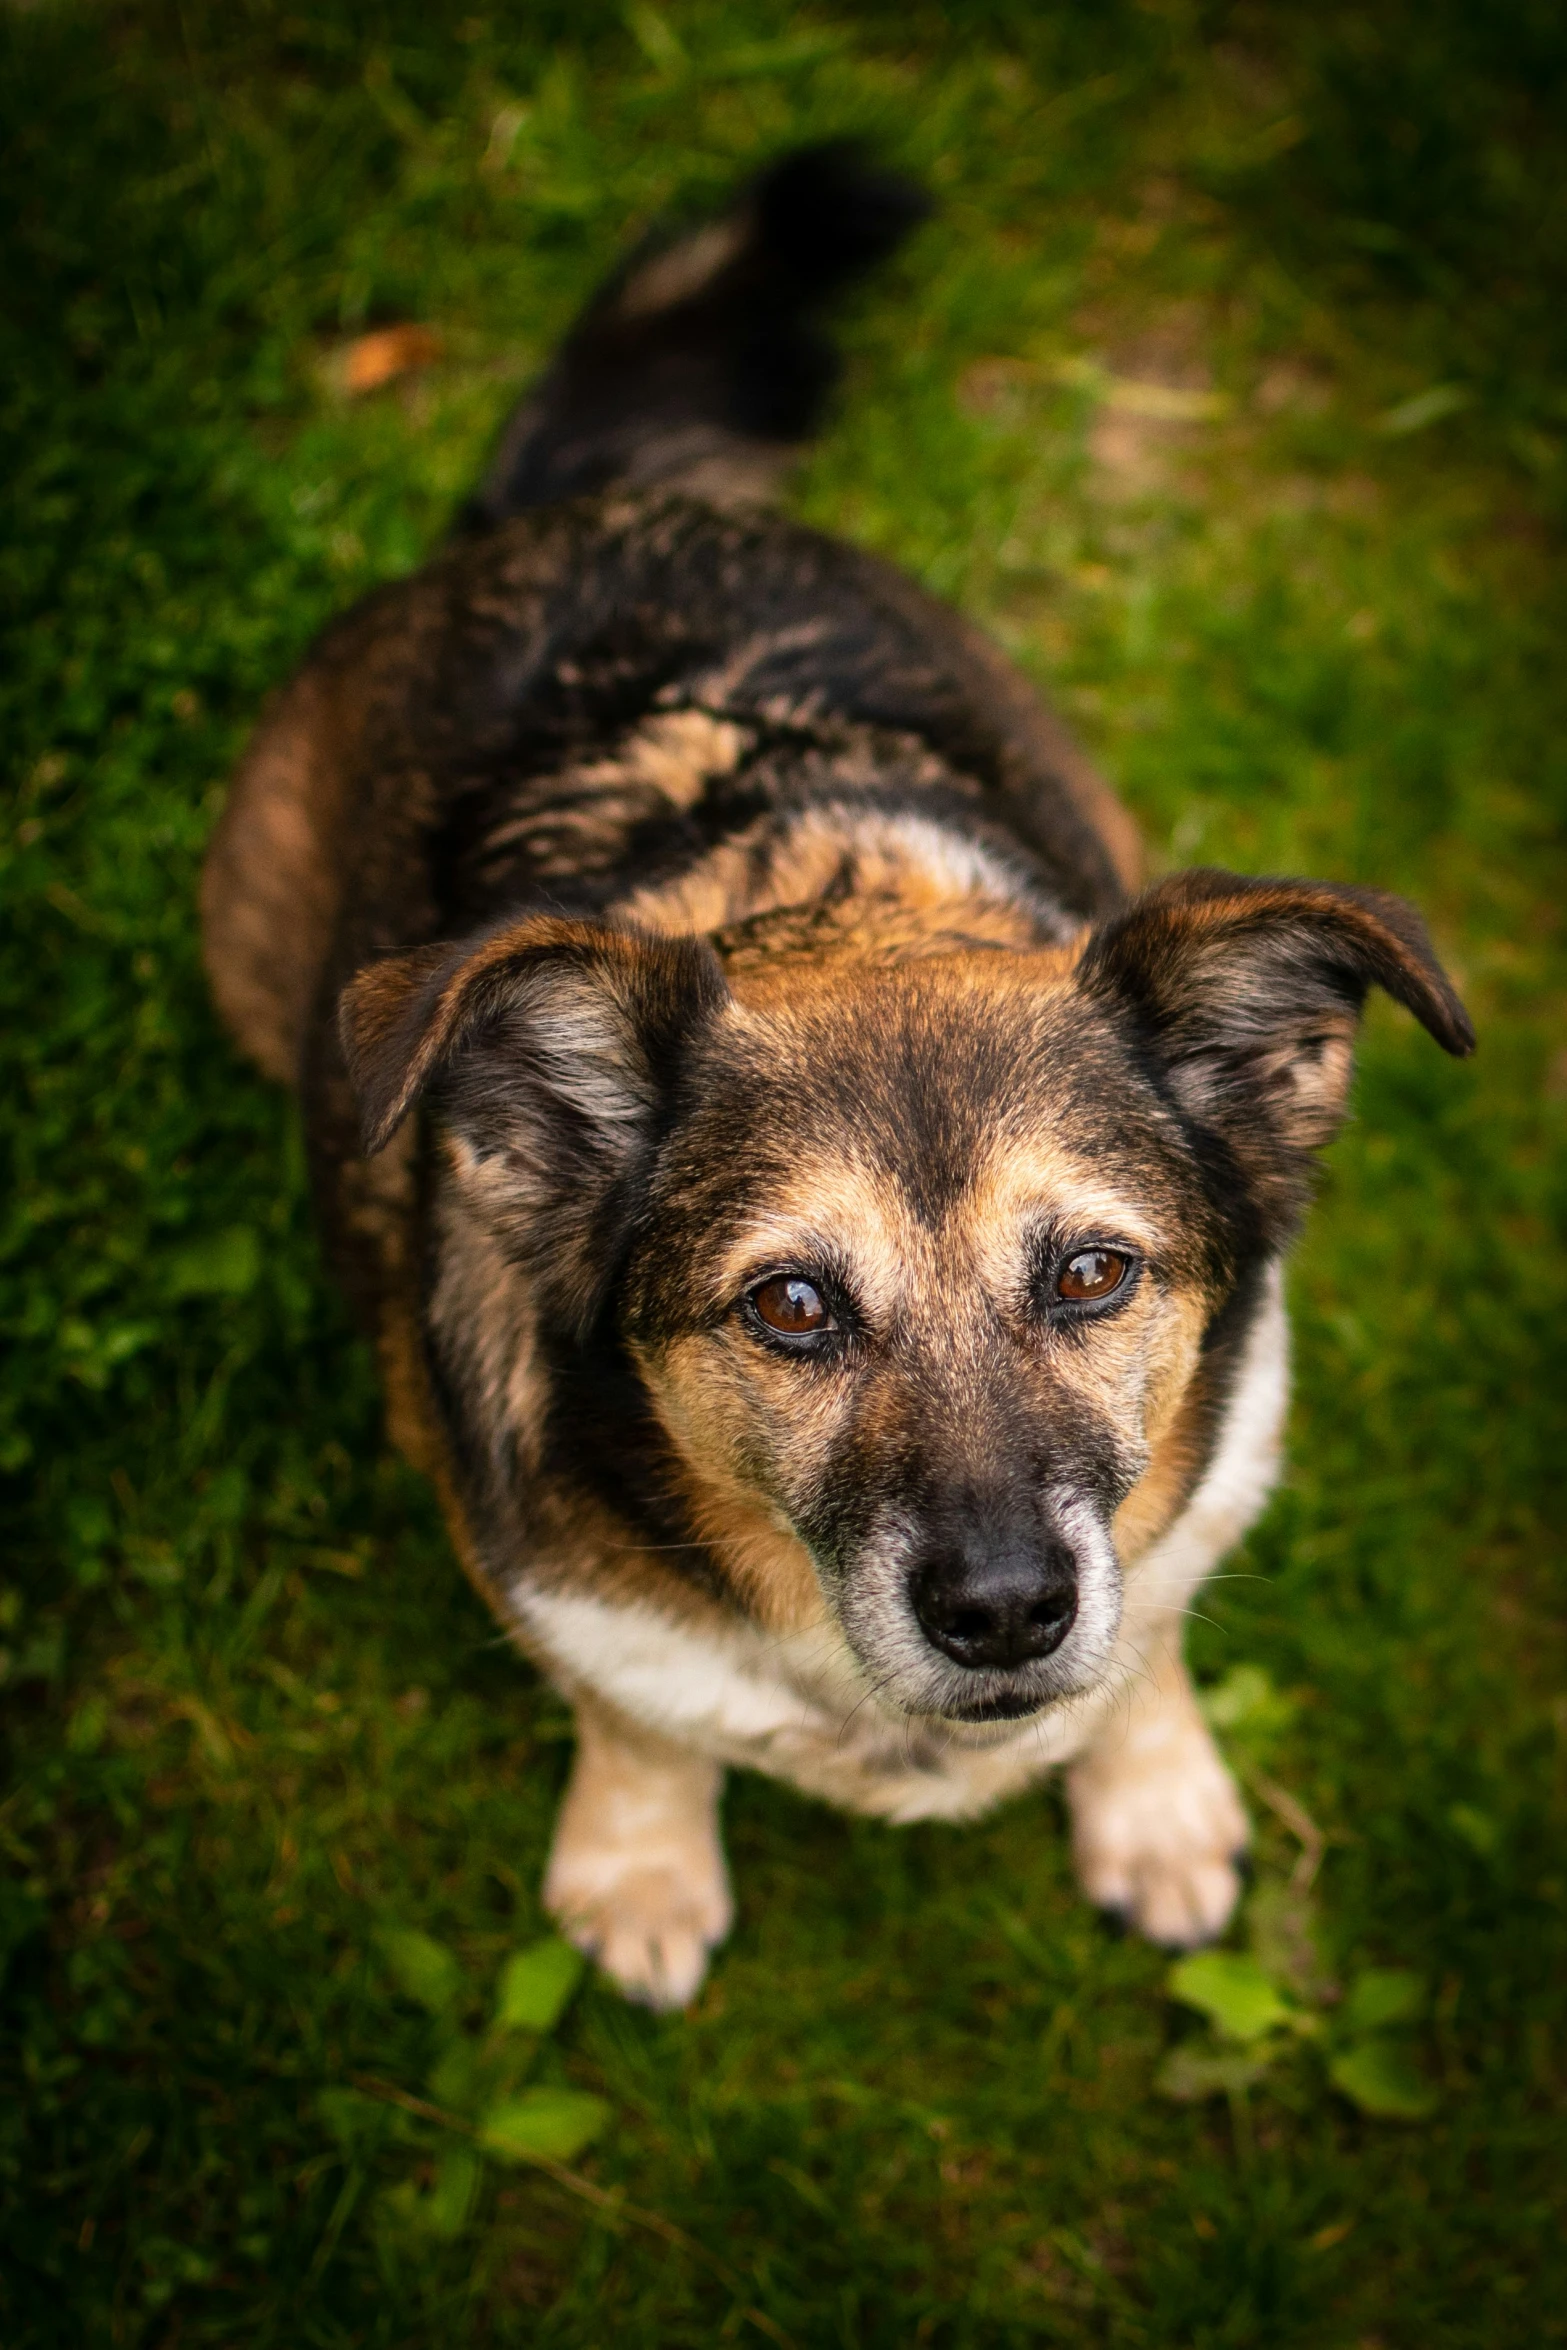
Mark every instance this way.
x=1247 y=995
x=545 y=1046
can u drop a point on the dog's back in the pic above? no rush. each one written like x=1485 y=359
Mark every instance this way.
x=663 y=427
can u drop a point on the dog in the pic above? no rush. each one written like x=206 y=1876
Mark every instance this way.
x=821 y=1222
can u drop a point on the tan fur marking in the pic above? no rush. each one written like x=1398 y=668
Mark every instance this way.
x=482 y=1304
x=1025 y=1175
x=698 y=901
x=1318 y=1076
x=715 y=1394
x=410 y=1417
x=674 y=754
x=418 y=1434
x=1106 y=814
x=767 y=1566
x=1173 y=1437
x=835 y=1203
x=683 y=269
x=269 y=885
x=678 y=752
x=636 y=1874
x=580 y=820
x=906 y=872
x=583 y=1547
x=1156 y=1820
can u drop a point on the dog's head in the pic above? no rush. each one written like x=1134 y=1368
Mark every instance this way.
x=926 y=1266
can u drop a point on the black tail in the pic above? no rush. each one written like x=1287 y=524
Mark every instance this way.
x=703 y=359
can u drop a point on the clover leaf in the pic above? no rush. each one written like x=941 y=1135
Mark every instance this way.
x=1232 y=1991
x=1380 y=1996
x=445 y=2207
x=1255 y=2003
x=424 y=1968
x=536 y=1984
x=474 y=2083
x=542 y=2125
x=1380 y=2075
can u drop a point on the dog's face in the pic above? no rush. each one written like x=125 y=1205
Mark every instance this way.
x=925 y=1267
x=920 y=1280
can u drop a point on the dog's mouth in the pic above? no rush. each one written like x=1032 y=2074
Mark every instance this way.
x=1004 y=1705
x=930 y=1689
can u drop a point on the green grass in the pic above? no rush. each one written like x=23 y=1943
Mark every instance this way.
x=256 y=1723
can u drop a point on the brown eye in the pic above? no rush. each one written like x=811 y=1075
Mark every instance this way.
x=1093 y=1274
x=794 y=1308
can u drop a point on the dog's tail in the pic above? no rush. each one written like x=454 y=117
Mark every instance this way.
x=704 y=360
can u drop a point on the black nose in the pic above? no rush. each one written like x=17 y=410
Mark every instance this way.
x=997 y=1607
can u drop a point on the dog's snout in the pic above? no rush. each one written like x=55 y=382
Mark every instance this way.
x=997 y=1608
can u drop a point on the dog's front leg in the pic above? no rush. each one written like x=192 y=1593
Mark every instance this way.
x=1157 y=1824
x=636 y=1875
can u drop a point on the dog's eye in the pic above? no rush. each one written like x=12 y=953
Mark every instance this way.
x=794 y=1308
x=1092 y=1275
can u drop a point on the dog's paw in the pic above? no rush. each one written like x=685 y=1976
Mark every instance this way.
x=650 y=1929
x=1157 y=1838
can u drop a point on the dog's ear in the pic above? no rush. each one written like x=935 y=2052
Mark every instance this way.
x=546 y=1046
x=1247 y=994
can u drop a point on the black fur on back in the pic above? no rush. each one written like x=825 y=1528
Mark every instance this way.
x=705 y=349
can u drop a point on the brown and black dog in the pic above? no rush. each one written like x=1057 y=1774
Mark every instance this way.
x=821 y=1227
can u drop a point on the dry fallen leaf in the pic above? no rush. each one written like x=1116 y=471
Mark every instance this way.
x=389 y=351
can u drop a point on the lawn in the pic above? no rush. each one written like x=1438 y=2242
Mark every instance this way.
x=1226 y=390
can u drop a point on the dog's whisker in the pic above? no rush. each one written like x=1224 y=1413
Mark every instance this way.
x=874 y=1690
x=649 y=1549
